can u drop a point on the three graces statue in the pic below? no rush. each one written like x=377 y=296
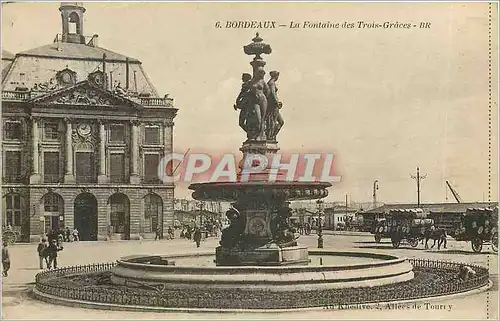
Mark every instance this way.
x=258 y=101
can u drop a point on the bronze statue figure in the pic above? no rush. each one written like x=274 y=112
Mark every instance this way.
x=243 y=100
x=274 y=121
x=260 y=91
x=232 y=235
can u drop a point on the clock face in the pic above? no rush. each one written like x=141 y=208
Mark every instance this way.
x=84 y=129
x=66 y=78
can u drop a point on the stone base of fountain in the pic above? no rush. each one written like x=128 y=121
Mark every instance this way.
x=268 y=255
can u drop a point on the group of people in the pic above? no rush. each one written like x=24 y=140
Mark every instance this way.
x=170 y=233
x=66 y=234
x=47 y=251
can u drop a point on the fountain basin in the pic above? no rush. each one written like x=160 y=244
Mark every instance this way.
x=284 y=190
x=363 y=270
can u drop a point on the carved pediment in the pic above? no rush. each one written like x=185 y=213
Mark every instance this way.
x=84 y=94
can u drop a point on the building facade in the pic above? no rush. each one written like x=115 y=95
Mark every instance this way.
x=83 y=134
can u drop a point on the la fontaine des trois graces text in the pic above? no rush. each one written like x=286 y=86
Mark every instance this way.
x=307 y=24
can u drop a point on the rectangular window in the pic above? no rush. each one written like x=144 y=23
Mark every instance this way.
x=152 y=135
x=13 y=209
x=51 y=131
x=12 y=167
x=85 y=172
x=116 y=133
x=151 y=163
x=51 y=167
x=117 y=168
x=13 y=130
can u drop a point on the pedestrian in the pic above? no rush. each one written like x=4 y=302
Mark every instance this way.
x=170 y=232
x=67 y=234
x=42 y=246
x=158 y=233
x=50 y=235
x=5 y=259
x=76 y=236
x=197 y=236
x=52 y=254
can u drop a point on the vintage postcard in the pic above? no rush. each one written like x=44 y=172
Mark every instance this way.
x=249 y=160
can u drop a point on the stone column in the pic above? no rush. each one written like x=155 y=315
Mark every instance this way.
x=35 y=177
x=102 y=178
x=134 y=154
x=69 y=177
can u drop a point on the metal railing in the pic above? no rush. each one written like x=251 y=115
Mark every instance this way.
x=52 y=283
x=153 y=101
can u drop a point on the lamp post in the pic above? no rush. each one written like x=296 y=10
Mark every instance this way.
x=320 y=227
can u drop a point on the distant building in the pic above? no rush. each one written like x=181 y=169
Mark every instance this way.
x=445 y=215
x=84 y=130
x=335 y=217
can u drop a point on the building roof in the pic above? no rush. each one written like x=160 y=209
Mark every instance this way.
x=6 y=55
x=66 y=50
x=434 y=207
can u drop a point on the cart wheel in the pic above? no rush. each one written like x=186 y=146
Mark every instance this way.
x=477 y=245
x=9 y=237
x=413 y=242
x=494 y=242
x=395 y=243
x=378 y=237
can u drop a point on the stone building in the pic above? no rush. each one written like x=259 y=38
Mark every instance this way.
x=84 y=131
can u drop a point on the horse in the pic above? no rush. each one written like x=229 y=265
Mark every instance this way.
x=437 y=234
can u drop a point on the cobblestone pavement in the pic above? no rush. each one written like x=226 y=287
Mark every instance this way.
x=17 y=304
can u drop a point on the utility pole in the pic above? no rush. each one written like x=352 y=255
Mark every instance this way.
x=375 y=189
x=418 y=178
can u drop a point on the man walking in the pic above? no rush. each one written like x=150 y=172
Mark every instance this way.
x=158 y=233
x=42 y=246
x=52 y=253
x=197 y=236
x=5 y=259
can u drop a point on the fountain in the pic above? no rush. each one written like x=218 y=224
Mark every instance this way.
x=259 y=263
x=260 y=233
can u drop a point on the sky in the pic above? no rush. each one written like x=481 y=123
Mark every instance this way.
x=383 y=100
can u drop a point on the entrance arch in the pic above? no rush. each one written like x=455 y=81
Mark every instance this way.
x=53 y=212
x=86 y=216
x=153 y=213
x=119 y=215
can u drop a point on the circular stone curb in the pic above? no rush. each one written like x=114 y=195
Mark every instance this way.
x=137 y=308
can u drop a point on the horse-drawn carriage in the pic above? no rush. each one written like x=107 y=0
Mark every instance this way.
x=406 y=225
x=480 y=227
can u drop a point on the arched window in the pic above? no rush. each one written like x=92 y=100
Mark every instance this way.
x=13 y=209
x=74 y=23
x=153 y=207
x=52 y=203
x=119 y=213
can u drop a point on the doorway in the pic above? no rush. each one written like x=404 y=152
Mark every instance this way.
x=86 y=216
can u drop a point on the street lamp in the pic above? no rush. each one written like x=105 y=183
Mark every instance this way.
x=320 y=227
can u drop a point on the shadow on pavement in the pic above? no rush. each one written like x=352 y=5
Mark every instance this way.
x=465 y=252
x=372 y=242
x=378 y=247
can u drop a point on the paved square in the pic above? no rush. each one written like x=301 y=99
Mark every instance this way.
x=17 y=304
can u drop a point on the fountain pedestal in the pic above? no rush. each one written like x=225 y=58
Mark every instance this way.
x=271 y=255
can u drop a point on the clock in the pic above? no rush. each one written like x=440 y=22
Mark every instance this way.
x=66 y=77
x=84 y=129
